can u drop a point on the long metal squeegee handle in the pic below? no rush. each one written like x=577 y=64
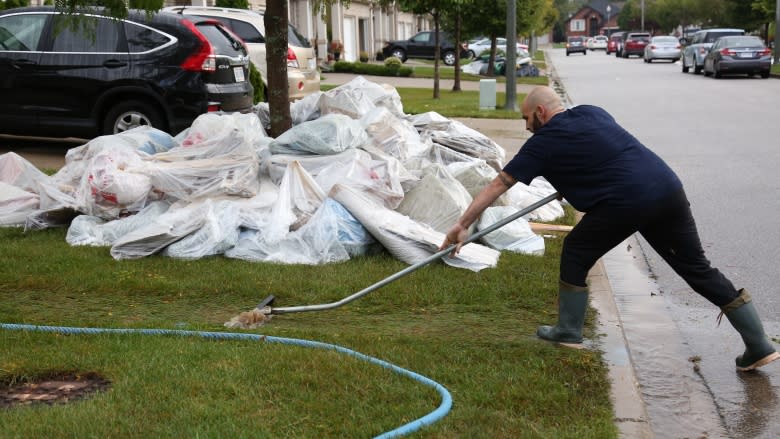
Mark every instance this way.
x=411 y=268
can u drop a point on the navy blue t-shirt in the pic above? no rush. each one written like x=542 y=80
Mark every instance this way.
x=592 y=161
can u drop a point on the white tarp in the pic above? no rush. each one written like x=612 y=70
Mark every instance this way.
x=223 y=186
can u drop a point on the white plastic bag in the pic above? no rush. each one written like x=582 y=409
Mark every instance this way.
x=516 y=236
x=330 y=134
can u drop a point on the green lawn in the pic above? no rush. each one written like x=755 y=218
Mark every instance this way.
x=471 y=332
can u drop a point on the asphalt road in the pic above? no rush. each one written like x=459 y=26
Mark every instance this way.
x=720 y=136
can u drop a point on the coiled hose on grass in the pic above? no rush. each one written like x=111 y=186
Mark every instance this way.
x=430 y=418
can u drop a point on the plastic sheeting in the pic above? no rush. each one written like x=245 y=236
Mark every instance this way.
x=224 y=187
x=330 y=134
x=516 y=236
x=406 y=239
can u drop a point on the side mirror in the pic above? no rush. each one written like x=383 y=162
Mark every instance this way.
x=684 y=41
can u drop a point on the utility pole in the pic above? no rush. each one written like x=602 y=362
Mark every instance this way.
x=642 y=6
x=777 y=32
x=510 y=67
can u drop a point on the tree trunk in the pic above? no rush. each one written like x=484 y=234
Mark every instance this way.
x=491 y=68
x=436 y=55
x=456 y=84
x=511 y=57
x=276 y=23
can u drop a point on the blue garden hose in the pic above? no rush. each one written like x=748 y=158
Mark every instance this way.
x=430 y=418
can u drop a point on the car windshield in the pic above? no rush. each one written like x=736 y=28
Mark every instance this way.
x=666 y=39
x=712 y=36
x=294 y=38
x=741 y=42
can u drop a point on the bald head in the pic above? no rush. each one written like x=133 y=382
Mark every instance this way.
x=541 y=104
x=544 y=96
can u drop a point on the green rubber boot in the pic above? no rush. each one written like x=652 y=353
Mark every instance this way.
x=572 y=302
x=759 y=351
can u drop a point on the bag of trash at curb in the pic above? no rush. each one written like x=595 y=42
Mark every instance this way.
x=16 y=204
x=516 y=236
x=522 y=196
x=178 y=221
x=17 y=171
x=330 y=134
x=393 y=135
x=470 y=142
x=438 y=201
x=331 y=235
x=374 y=178
x=112 y=185
x=218 y=233
x=429 y=121
x=359 y=96
x=313 y=163
x=406 y=239
x=97 y=232
x=306 y=109
x=299 y=198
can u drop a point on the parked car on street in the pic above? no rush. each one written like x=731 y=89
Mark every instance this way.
x=599 y=42
x=423 y=45
x=634 y=44
x=663 y=47
x=739 y=54
x=576 y=45
x=476 y=48
x=303 y=76
x=697 y=47
x=615 y=43
x=104 y=75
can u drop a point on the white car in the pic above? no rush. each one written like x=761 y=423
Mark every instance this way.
x=475 y=49
x=599 y=42
x=302 y=73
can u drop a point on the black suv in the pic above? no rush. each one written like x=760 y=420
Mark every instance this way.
x=66 y=76
x=423 y=45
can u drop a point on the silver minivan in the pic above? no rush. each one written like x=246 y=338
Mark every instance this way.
x=302 y=73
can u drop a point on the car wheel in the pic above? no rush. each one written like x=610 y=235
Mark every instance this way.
x=567 y=53
x=649 y=60
x=765 y=75
x=684 y=66
x=716 y=71
x=472 y=55
x=585 y=53
x=449 y=58
x=696 y=69
x=399 y=53
x=131 y=114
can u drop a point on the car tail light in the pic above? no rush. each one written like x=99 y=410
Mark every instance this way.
x=300 y=85
x=292 y=60
x=214 y=106
x=678 y=47
x=727 y=52
x=765 y=52
x=204 y=60
x=652 y=46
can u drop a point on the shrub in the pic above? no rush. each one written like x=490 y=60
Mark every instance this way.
x=393 y=62
x=257 y=83
x=363 y=56
x=370 y=69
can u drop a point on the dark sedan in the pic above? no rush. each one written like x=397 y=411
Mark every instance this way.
x=738 y=54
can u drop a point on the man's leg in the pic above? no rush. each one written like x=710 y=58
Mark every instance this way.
x=597 y=233
x=675 y=237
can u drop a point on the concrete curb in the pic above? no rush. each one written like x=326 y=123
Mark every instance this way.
x=628 y=406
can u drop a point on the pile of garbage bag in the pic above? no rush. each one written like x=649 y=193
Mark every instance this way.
x=353 y=176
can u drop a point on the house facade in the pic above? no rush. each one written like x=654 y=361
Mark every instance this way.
x=599 y=17
x=364 y=26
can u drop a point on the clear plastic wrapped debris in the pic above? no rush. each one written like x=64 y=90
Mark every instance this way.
x=359 y=96
x=97 y=232
x=516 y=236
x=330 y=134
x=438 y=200
x=393 y=135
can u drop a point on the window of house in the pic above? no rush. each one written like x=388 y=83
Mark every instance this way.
x=577 y=25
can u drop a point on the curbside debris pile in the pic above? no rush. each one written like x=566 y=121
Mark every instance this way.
x=354 y=175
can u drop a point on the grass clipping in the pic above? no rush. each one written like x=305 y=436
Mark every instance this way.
x=249 y=319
